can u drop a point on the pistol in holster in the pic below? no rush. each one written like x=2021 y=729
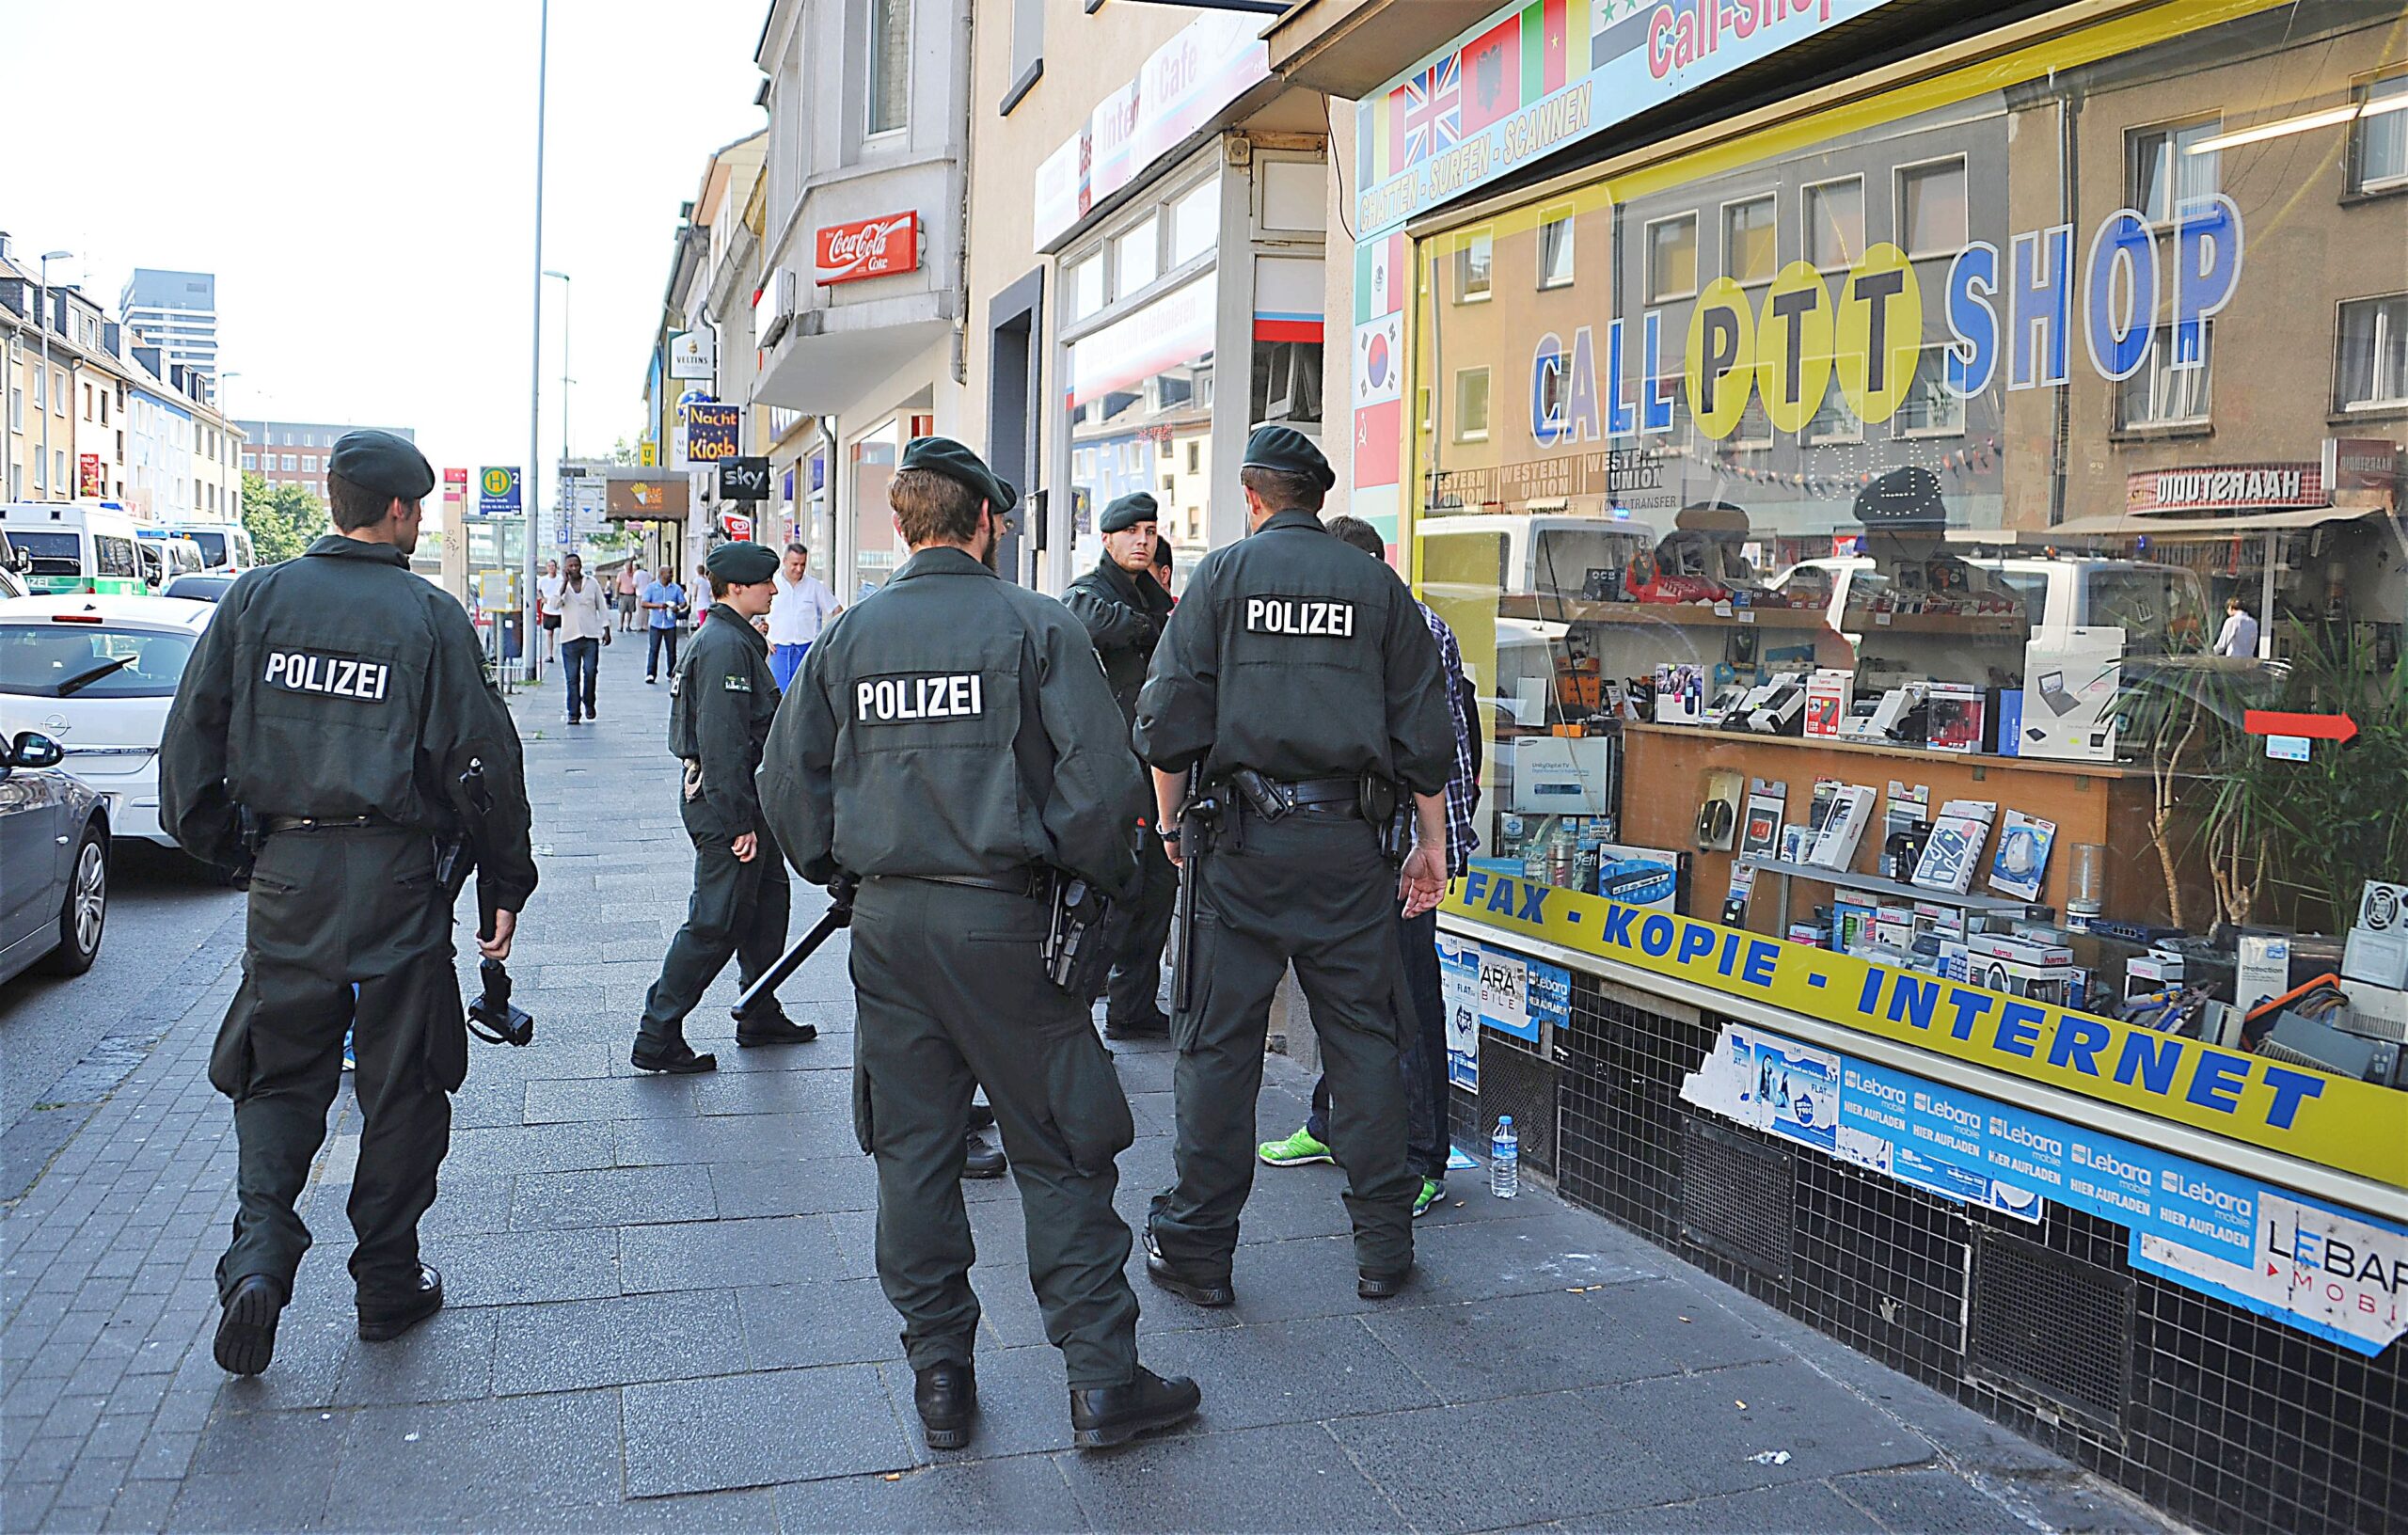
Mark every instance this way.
x=1390 y=811
x=1083 y=934
x=1199 y=821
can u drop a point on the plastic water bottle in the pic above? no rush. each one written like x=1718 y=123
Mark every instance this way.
x=1505 y=1160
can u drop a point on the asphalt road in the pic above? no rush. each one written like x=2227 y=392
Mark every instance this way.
x=162 y=910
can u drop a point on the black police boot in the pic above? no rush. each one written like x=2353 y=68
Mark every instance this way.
x=1190 y=1287
x=1104 y=1416
x=681 y=1062
x=979 y=1160
x=385 y=1321
x=1380 y=1286
x=1153 y=1023
x=947 y=1396
x=982 y=1116
x=776 y=1029
x=247 y=1333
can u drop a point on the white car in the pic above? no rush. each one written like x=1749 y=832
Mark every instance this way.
x=96 y=673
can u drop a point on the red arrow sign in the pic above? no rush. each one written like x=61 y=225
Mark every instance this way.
x=2317 y=727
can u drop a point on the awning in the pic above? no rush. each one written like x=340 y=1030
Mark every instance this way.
x=2200 y=530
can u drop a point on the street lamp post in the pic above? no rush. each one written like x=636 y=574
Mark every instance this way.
x=560 y=482
x=49 y=387
x=529 y=648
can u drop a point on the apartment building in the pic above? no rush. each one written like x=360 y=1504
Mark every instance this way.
x=296 y=452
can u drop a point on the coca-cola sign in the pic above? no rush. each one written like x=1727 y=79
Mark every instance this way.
x=869 y=247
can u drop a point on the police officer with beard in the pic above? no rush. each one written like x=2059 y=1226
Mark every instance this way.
x=1124 y=608
x=953 y=744
x=1301 y=679
x=319 y=739
x=722 y=701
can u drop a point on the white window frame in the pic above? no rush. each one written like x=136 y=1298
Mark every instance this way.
x=1806 y=225
x=2378 y=404
x=2128 y=184
x=1487 y=405
x=1647 y=259
x=1567 y=220
x=871 y=133
x=1898 y=175
x=1722 y=235
x=2362 y=92
x=1470 y=238
x=2160 y=375
x=1939 y=350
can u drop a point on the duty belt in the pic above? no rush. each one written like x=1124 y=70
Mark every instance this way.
x=324 y=823
x=1029 y=881
x=1274 y=798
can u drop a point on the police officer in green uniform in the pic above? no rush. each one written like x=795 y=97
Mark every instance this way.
x=953 y=744
x=1293 y=671
x=319 y=739
x=1124 y=608
x=721 y=702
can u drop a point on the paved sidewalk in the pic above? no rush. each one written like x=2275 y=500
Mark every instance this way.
x=663 y=1312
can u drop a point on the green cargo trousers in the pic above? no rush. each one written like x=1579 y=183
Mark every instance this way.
x=1315 y=893
x=951 y=994
x=739 y=910
x=347 y=930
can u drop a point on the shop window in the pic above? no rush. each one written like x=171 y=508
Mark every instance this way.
x=1932 y=212
x=1835 y=223
x=1195 y=223
x=1671 y=259
x=890 y=64
x=2379 y=139
x=1475 y=262
x=1835 y=421
x=1929 y=410
x=2169 y=167
x=1287 y=381
x=2159 y=395
x=1085 y=286
x=1472 y=405
x=1555 y=252
x=1136 y=259
x=2373 y=355
x=1750 y=252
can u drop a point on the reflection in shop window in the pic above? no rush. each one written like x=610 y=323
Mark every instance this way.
x=1837 y=421
x=1087 y=287
x=1932 y=212
x=1836 y=222
x=1473 y=267
x=1555 y=252
x=2169 y=167
x=2373 y=360
x=1195 y=223
x=1472 y=405
x=1929 y=409
x=1671 y=259
x=2160 y=394
x=1136 y=259
x=1749 y=252
x=2379 y=139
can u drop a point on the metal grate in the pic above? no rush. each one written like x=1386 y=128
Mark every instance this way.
x=1735 y=1196
x=2052 y=1323
x=1513 y=1080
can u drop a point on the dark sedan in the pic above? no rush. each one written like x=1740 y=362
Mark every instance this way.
x=54 y=844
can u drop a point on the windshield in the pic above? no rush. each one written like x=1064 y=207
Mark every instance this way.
x=213 y=546
x=198 y=588
x=1567 y=557
x=82 y=660
x=54 y=554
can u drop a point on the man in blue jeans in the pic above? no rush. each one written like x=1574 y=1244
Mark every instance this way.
x=1423 y=1033
x=661 y=601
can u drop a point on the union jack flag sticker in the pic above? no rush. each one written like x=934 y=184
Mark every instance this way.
x=1433 y=109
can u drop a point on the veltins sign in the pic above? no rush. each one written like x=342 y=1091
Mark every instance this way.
x=694 y=354
x=869 y=247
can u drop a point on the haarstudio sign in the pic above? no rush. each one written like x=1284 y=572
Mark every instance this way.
x=869 y=247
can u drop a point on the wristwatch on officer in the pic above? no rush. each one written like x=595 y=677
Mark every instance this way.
x=1170 y=833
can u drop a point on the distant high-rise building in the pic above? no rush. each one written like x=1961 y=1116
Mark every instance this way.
x=176 y=311
x=296 y=452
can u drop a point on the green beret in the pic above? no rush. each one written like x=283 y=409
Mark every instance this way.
x=742 y=565
x=949 y=458
x=381 y=462
x=1128 y=511
x=1289 y=452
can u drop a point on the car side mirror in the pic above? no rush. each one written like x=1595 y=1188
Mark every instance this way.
x=32 y=749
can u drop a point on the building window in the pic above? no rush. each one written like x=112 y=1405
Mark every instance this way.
x=58 y=397
x=1749 y=249
x=290 y=464
x=1933 y=216
x=1929 y=410
x=2169 y=167
x=2159 y=395
x=1475 y=269
x=2371 y=371
x=1836 y=422
x=1835 y=223
x=1671 y=257
x=1555 y=252
x=1028 y=48
x=251 y=461
x=1085 y=286
x=1136 y=259
x=17 y=410
x=1472 y=405
x=1195 y=223
x=308 y=463
x=890 y=64
x=1195 y=458
x=2379 y=139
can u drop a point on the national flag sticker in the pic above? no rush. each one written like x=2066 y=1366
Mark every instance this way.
x=1379 y=360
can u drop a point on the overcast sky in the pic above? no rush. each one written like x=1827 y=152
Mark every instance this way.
x=360 y=174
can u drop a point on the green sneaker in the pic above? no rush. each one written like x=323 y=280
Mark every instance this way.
x=1295 y=1151
x=1431 y=1192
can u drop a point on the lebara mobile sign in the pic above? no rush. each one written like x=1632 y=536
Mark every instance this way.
x=869 y=247
x=1535 y=77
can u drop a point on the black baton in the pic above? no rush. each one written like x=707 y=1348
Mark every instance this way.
x=762 y=992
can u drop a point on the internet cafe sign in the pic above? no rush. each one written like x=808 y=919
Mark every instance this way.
x=869 y=247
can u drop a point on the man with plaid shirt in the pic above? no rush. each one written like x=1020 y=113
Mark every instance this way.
x=1422 y=1035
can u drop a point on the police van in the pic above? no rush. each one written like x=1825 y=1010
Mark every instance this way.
x=225 y=546
x=75 y=547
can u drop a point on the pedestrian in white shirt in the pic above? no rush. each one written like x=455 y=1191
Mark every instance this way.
x=547 y=591
x=802 y=607
x=2239 y=634
x=584 y=628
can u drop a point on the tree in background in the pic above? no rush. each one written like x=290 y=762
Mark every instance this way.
x=283 y=520
x=624 y=452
